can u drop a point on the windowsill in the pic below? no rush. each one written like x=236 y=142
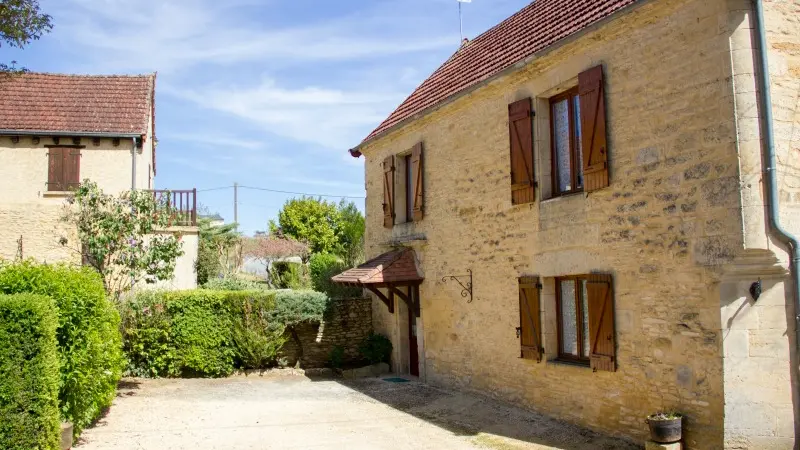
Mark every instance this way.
x=568 y=362
x=57 y=194
x=564 y=196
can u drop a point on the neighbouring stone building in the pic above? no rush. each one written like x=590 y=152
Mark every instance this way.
x=569 y=214
x=56 y=130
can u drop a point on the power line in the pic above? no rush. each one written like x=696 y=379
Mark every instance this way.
x=299 y=193
x=215 y=189
x=281 y=192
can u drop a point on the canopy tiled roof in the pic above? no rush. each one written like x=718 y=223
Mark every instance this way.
x=532 y=29
x=394 y=267
x=39 y=102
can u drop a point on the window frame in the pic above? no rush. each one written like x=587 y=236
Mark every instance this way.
x=579 y=314
x=574 y=145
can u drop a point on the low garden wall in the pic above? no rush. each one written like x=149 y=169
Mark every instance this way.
x=347 y=324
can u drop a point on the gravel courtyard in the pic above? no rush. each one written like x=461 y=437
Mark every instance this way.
x=295 y=412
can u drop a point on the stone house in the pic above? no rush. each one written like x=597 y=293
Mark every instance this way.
x=573 y=214
x=56 y=130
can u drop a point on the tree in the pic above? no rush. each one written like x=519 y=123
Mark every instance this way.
x=326 y=226
x=310 y=220
x=21 y=21
x=123 y=237
x=351 y=236
x=268 y=249
x=219 y=250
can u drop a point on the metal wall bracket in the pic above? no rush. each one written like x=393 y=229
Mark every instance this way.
x=466 y=286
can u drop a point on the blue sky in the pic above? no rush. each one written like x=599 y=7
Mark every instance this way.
x=267 y=93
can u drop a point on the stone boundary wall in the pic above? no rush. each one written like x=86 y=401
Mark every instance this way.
x=348 y=324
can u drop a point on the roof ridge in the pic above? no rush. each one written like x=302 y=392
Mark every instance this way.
x=537 y=26
x=80 y=75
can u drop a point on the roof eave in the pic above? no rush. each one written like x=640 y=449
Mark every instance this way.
x=100 y=134
x=508 y=70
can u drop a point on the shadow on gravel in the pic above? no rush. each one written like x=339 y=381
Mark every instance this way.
x=488 y=422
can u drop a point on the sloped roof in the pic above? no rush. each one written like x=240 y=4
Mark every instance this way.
x=397 y=266
x=40 y=102
x=532 y=29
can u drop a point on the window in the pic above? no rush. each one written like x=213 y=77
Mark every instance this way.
x=573 y=319
x=409 y=188
x=64 y=167
x=566 y=142
x=410 y=183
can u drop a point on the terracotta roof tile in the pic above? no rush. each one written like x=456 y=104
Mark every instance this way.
x=76 y=103
x=396 y=266
x=532 y=29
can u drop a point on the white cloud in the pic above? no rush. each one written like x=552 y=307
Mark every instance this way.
x=149 y=35
x=330 y=118
x=215 y=140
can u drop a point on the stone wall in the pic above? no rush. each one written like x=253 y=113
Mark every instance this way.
x=669 y=229
x=347 y=326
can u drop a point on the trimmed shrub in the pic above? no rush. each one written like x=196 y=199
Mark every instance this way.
x=89 y=344
x=234 y=284
x=377 y=348
x=29 y=416
x=199 y=333
x=288 y=275
x=322 y=267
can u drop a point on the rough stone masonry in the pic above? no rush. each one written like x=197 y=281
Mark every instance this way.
x=681 y=228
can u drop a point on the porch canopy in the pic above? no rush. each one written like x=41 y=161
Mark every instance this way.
x=391 y=270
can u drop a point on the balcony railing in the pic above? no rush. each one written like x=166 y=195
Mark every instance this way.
x=183 y=204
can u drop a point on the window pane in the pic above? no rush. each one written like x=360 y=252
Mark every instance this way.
x=561 y=134
x=585 y=322
x=409 y=190
x=569 y=318
x=578 y=142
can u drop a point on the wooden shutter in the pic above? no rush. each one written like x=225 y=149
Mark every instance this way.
x=388 y=192
x=593 y=129
x=72 y=168
x=417 y=180
x=55 y=169
x=602 y=343
x=530 y=336
x=520 y=124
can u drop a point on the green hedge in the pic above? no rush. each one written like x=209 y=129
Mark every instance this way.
x=89 y=343
x=29 y=417
x=199 y=333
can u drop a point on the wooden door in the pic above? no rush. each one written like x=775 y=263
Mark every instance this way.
x=413 y=350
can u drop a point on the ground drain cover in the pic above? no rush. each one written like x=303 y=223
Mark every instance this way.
x=396 y=380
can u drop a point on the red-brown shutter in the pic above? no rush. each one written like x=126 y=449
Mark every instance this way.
x=72 y=168
x=602 y=344
x=593 y=129
x=388 y=192
x=520 y=124
x=530 y=335
x=55 y=169
x=417 y=180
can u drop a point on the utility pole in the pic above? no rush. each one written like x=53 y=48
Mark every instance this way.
x=236 y=204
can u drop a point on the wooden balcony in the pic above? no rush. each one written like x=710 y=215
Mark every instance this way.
x=183 y=204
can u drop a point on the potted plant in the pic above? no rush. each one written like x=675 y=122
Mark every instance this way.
x=665 y=427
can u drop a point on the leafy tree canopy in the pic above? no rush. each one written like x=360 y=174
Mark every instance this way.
x=325 y=226
x=123 y=237
x=21 y=21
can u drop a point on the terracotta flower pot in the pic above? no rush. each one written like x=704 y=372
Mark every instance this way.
x=665 y=431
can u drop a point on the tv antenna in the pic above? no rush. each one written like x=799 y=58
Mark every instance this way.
x=461 y=19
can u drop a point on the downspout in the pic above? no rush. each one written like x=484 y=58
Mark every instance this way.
x=770 y=171
x=133 y=165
